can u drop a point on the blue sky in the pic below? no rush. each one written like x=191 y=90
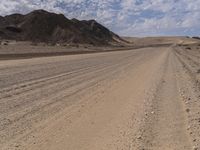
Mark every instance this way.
x=125 y=17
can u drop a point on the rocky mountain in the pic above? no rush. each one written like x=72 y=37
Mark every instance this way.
x=43 y=26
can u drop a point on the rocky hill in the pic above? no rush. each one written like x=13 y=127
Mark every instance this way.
x=43 y=26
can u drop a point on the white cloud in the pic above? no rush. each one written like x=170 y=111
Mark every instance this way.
x=127 y=17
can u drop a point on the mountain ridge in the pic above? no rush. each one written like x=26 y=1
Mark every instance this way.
x=44 y=26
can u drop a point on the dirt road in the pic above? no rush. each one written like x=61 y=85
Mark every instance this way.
x=144 y=99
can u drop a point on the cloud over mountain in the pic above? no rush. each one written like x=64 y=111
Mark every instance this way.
x=126 y=17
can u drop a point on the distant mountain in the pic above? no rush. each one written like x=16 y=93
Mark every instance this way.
x=43 y=26
x=196 y=37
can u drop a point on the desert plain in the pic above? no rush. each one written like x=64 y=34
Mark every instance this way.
x=144 y=96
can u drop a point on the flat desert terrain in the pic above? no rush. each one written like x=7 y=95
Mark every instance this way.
x=144 y=98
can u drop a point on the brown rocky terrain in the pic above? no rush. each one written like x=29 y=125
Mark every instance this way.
x=43 y=26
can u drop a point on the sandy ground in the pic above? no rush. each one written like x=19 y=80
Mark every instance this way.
x=141 y=99
x=160 y=41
